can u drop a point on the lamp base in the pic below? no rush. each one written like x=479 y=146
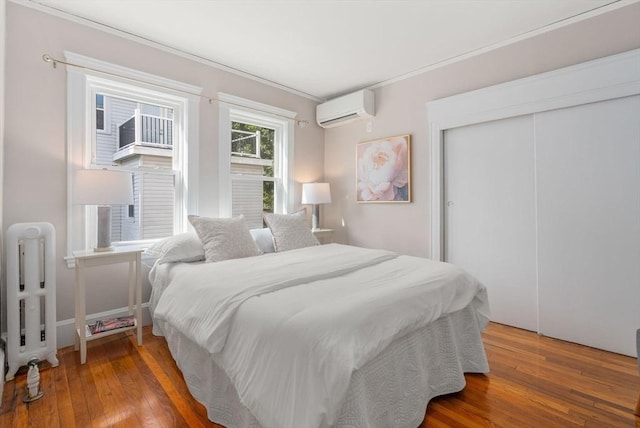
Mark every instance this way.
x=315 y=217
x=102 y=249
x=104 y=229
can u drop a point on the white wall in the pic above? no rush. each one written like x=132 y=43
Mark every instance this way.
x=2 y=50
x=34 y=151
x=400 y=109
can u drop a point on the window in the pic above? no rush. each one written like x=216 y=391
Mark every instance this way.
x=155 y=131
x=256 y=159
x=142 y=144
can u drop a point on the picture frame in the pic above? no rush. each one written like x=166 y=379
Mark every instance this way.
x=383 y=170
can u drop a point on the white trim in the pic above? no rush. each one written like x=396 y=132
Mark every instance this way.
x=233 y=108
x=49 y=9
x=152 y=81
x=254 y=105
x=224 y=161
x=614 y=5
x=3 y=303
x=611 y=77
x=82 y=85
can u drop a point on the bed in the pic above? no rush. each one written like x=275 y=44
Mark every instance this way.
x=323 y=335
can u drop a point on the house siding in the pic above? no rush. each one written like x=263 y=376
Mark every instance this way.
x=153 y=192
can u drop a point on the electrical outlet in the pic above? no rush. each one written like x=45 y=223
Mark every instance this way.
x=370 y=125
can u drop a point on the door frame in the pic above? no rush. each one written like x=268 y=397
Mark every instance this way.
x=611 y=77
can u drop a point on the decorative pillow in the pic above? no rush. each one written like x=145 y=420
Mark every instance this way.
x=264 y=239
x=290 y=231
x=184 y=247
x=224 y=238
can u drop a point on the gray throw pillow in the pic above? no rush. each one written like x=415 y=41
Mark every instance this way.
x=290 y=231
x=224 y=238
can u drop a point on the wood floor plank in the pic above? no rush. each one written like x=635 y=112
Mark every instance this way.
x=535 y=381
x=49 y=407
x=162 y=409
x=123 y=411
x=77 y=390
x=65 y=407
x=180 y=400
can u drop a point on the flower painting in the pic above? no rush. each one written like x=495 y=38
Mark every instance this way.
x=383 y=173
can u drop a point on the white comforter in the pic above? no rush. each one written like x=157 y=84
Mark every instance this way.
x=290 y=328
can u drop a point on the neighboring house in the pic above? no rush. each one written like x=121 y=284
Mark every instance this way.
x=138 y=137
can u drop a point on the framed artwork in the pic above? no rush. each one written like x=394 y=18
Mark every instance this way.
x=384 y=170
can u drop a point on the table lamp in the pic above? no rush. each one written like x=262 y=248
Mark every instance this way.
x=103 y=188
x=315 y=194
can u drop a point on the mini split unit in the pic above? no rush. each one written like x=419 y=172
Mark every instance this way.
x=346 y=109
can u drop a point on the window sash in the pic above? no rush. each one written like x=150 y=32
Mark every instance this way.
x=87 y=79
x=236 y=109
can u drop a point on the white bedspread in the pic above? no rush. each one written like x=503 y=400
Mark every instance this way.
x=311 y=317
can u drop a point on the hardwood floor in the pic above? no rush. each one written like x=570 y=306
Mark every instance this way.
x=534 y=382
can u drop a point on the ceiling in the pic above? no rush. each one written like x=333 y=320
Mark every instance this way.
x=325 y=48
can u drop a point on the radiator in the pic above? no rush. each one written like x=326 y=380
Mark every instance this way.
x=31 y=295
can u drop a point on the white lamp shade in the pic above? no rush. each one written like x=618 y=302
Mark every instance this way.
x=102 y=187
x=316 y=193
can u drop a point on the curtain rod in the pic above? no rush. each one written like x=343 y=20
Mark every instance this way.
x=54 y=62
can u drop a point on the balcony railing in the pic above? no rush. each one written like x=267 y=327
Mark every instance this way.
x=245 y=143
x=146 y=129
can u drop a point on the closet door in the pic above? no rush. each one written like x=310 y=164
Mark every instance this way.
x=490 y=214
x=588 y=179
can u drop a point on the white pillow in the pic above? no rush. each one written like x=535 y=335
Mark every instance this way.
x=290 y=231
x=184 y=247
x=224 y=238
x=264 y=239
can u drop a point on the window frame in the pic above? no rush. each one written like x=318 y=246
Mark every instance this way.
x=92 y=76
x=236 y=109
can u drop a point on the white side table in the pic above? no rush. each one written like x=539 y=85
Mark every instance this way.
x=325 y=236
x=89 y=258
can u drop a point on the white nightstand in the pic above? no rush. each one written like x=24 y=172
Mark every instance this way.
x=90 y=258
x=325 y=236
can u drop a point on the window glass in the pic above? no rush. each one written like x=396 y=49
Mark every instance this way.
x=100 y=111
x=252 y=172
x=146 y=151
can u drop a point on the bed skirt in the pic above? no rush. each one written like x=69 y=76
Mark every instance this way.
x=392 y=390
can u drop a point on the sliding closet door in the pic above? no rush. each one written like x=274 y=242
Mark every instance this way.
x=588 y=169
x=489 y=213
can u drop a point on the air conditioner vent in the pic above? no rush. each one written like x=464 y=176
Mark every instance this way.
x=345 y=109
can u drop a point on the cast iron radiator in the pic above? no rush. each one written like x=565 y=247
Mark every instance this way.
x=31 y=295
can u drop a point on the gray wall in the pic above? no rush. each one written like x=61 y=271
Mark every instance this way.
x=35 y=132
x=400 y=109
x=35 y=128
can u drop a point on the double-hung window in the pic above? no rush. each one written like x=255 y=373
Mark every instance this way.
x=152 y=133
x=256 y=159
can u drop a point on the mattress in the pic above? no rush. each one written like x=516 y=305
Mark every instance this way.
x=325 y=336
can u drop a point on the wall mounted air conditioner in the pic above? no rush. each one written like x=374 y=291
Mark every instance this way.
x=345 y=109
